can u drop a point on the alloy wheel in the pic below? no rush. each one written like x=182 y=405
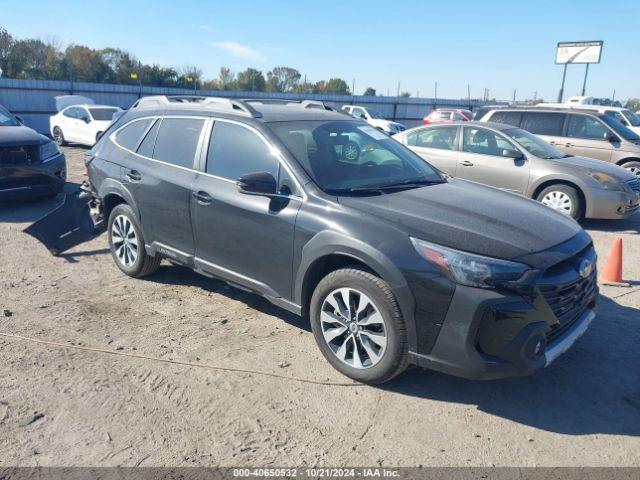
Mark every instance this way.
x=124 y=241
x=635 y=171
x=353 y=328
x=558 y=201
x=57 y=136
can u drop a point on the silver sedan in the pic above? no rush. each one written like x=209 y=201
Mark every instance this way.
x=513 y=159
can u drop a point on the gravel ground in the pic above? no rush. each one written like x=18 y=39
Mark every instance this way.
x=65 y=406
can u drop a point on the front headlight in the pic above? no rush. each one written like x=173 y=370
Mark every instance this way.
x=468 y=268
x=606 y=181
x=48 y=150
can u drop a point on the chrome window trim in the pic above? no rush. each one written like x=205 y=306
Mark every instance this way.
x=203 y=147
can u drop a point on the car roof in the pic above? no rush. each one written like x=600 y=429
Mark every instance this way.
x=264 y=110
x=576 y=109
x=491 y=125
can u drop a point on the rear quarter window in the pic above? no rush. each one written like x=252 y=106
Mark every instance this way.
x=508 y=118
x=543 y=123
x=129 y=136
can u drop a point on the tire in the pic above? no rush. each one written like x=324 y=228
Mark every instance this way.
x=633 y=167
x=376 y=362
x=59 y=136
x=564 y=199
x=131 y=259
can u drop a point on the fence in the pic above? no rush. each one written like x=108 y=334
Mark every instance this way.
x=33 y=100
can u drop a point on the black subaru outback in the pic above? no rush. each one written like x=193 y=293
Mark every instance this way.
x=393 y=262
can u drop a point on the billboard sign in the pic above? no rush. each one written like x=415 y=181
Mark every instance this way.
x=579 y=52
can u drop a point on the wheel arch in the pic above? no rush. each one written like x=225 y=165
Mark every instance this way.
x=563 y=181
x=113 y=193
x=626 y=160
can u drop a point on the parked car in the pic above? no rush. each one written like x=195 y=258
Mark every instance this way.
x=624 y=116
x=441 y=115
x=393 y=262
x=512 y=159
x=30 y=163
x=81 y=123
x=579 y=132
x=582 y=101
x=374 y=118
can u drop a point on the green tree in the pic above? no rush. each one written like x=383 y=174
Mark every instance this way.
x=405 y=94
x=282 y=79
x=158 y=76
x=85 y=64
x=121 y=65
x=6 y=45
x=190 y=76
x=251 y=80
x=633 y=104
x=370 y=92
x=226 y=79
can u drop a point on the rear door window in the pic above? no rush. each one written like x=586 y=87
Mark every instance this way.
x=508 y=118
x=177 y=141
x=582 y=126
x=235 y=151
x=129 y=136
x=543 y=123
x=441 y=138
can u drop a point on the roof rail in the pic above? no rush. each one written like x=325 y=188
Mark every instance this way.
x=290 y=103
x=218 y=103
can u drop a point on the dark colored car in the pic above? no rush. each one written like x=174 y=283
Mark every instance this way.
x=392 y=261
x=30 y=164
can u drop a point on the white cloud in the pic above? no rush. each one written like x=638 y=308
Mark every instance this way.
x=238 y=50
x=205 y=28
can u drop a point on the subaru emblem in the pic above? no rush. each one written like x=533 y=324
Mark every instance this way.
x=585 y=269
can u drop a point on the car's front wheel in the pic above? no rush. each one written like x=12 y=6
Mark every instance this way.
x=358 y=326
x=633 y=167
x=127 y=244
x=58 y=136
x=562 y=198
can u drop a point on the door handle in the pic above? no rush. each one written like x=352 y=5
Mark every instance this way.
x=203 y=198
x=134 y=176
x=552 y=142
x=568 y=144
x=466 y=163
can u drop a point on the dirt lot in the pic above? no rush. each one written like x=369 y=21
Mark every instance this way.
x=107 y=409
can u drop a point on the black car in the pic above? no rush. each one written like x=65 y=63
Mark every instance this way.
x=30 y=164
x=393 y=262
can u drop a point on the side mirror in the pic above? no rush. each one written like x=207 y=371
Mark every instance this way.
x=259 y=183
x=19 y=119
x=86 y=119
x=610 y=137
x=511 y=153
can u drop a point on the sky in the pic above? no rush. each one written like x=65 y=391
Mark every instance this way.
x=499 y=45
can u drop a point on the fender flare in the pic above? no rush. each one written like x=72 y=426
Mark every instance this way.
x=113 y=187
x=562 y=178
x=335 y=243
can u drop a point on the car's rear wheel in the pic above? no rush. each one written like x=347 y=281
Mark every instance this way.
x=562 y=198
x=58 y=136
x=633 y=167
x=127 y=244
x=358 y=326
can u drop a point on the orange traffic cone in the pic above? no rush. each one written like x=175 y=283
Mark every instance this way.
x=612 y=271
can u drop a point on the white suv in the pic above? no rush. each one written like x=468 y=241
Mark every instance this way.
x=374 y=118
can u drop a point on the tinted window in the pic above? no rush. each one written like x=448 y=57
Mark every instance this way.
x=508 y=118
x=581 y=126
x=443 y=115
x=71 y=112
x=6 y=119
x=442 y=138
x=130 y=135
x=543 y=123
x=235 y=151
x=485 y=142
x=177 y=141
x=146 y=147
x=102 y=113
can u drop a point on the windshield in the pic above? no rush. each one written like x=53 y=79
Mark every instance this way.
x=621 y=130
x=632 y=118
x=533 y=144
x=102 y=113
x=6 y=119
x=351 y=157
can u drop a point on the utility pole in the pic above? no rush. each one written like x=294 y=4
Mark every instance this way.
x=514 y=95
x=353 y=87
x=398 y=94
x=469 y=94
x=535 y=95
x=564 y=76
x=614 y=94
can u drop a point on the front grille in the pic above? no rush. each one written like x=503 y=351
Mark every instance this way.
x=18 y=155
x=634 y=183
x=567 y=292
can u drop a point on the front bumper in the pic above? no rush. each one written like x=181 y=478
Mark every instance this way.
x=488 y=334
x=609 y=204
x=28 y=181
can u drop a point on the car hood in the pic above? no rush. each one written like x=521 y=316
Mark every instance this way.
x=471 y=217
x=591 y=164
x=21 y=135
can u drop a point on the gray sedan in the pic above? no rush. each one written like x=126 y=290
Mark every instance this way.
x=513 y=159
